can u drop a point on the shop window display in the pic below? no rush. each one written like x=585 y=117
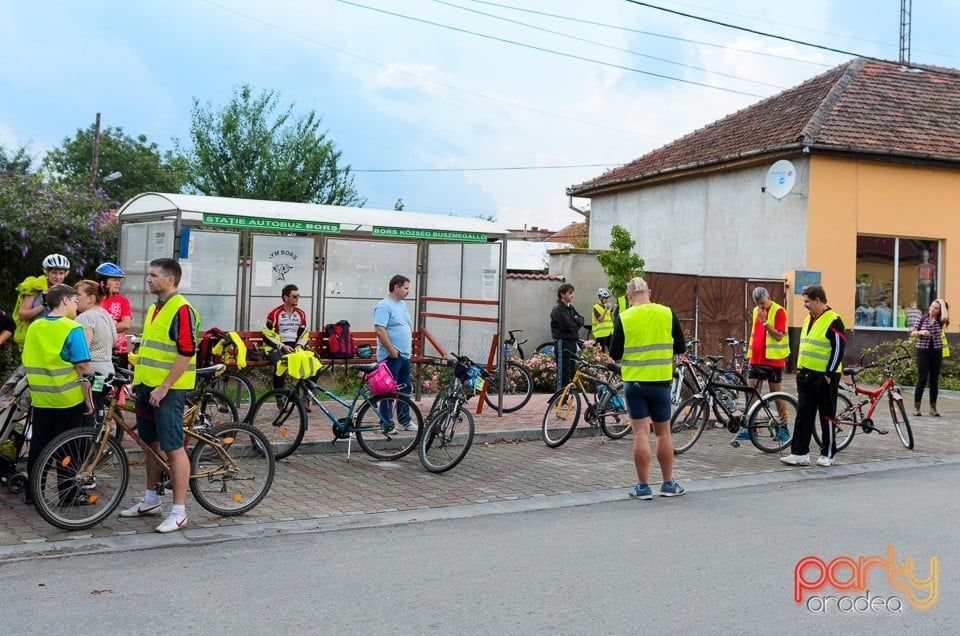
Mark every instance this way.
x=896 y=280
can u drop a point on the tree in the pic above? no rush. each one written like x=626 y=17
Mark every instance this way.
x=143 y=166
x=38 y=218
x=620 y=264
x=245 y=150
x=18 y=162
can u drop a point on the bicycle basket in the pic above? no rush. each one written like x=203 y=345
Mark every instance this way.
x=381 y=380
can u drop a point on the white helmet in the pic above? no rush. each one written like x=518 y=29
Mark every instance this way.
x=56 y=261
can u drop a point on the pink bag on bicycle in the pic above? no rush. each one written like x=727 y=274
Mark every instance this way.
x=381 y=380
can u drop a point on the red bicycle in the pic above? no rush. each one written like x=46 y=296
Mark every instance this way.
x=851 y=416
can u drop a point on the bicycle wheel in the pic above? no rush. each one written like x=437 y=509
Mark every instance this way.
x=547 y=348
x=384 y=439
x=446 y=440
x=215 y=409
x=65 y=494
x=687 y=423
x=561 y=417
x=734 y=400
x=280 y=416
x=517 y=389
x=231 y=477
x=847 y=418
x=769 y=429
x=900 y=422
x=239 y=390
x=614 y=421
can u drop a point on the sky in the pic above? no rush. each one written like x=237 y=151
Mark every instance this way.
x=458 y=107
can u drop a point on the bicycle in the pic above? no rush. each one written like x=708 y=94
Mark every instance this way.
x=766 y=427
x=281 y=416
x=213 y=406
x=15 y=430
x=606 y=408
x=450 y=427
x=517 y=388
x=221 y=346
x=511 y=346
x=852 y=416
x=81 y=476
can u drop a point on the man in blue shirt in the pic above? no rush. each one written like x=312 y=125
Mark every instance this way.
x=391 y=321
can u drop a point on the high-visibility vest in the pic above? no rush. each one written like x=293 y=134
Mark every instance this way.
x=775 y=349
x=158 y=352
x=604 y=326
x=648 y=343
x=54 y=383
x=814 y=346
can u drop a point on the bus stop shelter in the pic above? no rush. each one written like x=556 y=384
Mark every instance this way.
x=237 y=254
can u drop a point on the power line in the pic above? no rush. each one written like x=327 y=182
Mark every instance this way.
x=747 y=30
x=652 y=33
x=505 y=102
x=551 y=51
x=607 y=46
x=498 y=169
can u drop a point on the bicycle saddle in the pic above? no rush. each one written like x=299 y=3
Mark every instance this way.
x=852 y=371
x=214 y=370
x=366 y=367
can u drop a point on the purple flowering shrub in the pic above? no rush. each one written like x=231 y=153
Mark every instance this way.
x=37 y=218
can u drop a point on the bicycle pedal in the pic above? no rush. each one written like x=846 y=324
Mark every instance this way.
x=880 y=431
x=735 y=443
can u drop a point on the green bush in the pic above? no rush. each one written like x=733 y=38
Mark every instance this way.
x=905 y=371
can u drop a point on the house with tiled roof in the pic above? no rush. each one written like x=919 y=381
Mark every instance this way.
x=869 y=209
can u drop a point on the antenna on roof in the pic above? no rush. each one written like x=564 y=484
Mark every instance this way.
x=905 y=10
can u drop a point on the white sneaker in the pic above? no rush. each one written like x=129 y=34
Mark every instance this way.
x=172 y=523
x=142 y=509
x=409 y=427
x=825 y=461
x=796 y=460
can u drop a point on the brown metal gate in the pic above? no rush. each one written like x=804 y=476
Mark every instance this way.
x=711 y=308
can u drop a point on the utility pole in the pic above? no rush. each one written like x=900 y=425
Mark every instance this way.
x=96 y=153
x=906 y=7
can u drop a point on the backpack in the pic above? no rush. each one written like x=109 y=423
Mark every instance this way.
x=340 y=343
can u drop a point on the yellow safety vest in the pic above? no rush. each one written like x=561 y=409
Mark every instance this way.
x=158 y=352
x=814 y=346
x=775 y=349
x=648 y=343
x=604 y=326
x=54 y=383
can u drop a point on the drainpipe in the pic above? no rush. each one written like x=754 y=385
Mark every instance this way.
x=575 y=208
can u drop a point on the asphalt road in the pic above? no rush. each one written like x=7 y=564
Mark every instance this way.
x=715 y=561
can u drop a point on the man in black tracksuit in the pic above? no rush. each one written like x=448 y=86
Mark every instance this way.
x=565 y=324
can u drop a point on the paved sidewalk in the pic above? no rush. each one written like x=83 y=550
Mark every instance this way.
x=507 y=463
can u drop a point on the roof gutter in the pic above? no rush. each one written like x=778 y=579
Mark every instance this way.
x=752 y=154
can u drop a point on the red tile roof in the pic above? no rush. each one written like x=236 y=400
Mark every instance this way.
x=861 y=107
x=573 y=234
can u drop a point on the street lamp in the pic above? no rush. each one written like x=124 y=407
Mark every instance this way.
x=113 y=176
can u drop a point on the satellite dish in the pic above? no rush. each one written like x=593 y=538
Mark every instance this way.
x=780 y=179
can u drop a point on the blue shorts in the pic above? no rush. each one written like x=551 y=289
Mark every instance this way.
x=647 y=400
x=166 y=423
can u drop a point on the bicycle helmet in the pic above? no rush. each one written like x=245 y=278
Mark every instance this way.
x=56 y=261
x=603 y=292
x=110 y=270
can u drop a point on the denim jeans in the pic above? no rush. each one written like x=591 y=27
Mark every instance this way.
x=400 y=368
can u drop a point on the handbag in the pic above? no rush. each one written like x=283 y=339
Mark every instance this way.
x=381 y=380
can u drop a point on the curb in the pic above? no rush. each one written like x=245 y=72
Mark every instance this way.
x=195 y=537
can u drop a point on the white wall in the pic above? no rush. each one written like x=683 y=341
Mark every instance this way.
x=719 y=224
